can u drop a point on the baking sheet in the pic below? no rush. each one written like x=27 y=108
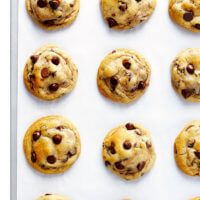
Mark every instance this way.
x=160 y=110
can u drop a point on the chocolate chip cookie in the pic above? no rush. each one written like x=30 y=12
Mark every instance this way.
x=50 y=73
x=185 y=71
x=52 y=145
x=186 y=13
x=52 y=197
x=53 y=14
x=126 y=14
x=187 y=149
x=123 y=75
x=128 y=151
x=197 y=198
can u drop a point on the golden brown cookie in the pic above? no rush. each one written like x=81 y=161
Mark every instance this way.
x=52 y=197
x=128 y=151
x=126 y=14
x=185 y=72
x=196 y=198
x=186 y=13
x=123 y=75
x=53 y=14
x=187 y=149
x=52 y=145
x=50 y=73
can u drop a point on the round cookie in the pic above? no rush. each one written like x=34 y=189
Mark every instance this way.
x=50 y=73
x=185 y=72
x=52 y=197
x=186 y=13
x=53 y=14
x=128 y=151
x=126 y=14
x=187 y=149
x=123 y=75
x=197 y=198
x=52 y=145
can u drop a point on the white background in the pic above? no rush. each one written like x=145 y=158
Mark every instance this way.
x=4 y=101
x=160 y=110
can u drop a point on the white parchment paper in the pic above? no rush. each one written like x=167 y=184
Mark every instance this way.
x=160 y=110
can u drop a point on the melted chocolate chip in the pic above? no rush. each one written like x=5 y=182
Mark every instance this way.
x=70 y=154
x=33 y=157
x=141 y=166
x=55 y=60
x=141 y=85
x=138 y=0
x=60 y=127
x=112 y=148
x=123 y=7
x=113 y=82
x=34 y=58
x=191 y=143
x=190 y=69
x=188 y=16
x=197 y=26
x=119 y=165
x=187 y=93
x=112 y=22
x=49 y=22
x=51 y=159
x=127 y=145
x=53 y=87
x=32 y=77
x=197 y=154
x=130 y=126
x=54 y=4
x=107 y=163
x=45 y=72
x=126 y=64
x=148 y=145
x=36 y=136
x=57 y=139
x=41 y=3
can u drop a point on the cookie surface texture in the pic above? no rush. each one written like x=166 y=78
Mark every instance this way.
x=50 y=73
x=185 y=72
x=52 y=145
x=186 y=13
x=53 y=14
x=128 y=151
x=126 y=14
x=123 y=75
x=187 y=149
x=52 y=197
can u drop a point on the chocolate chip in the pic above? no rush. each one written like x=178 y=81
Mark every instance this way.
x=113 y=82
x=51 y=159
x=54 y=4
x=32 y=77
x=175 y=149
x=141 y=85
x=45 y=72
x=55 y=60
x=57 y=139
x=197 y=154
x=187 y=93
x=60 y=127
x=119 y=165
x=70 y=154
x=190 y=69
x=47 y=194
x=141 y=166
x=71 y=5
x=33 y=157
x=36 y=135
x=107 y=163
x=130 y=126
x=126 y=64
x=49 y=22
x=138 y=0
x=197 y=26
x=112 y=22
x=191 y=143
x=123 y=7
x=34 y=58
x=188 y=16
x=127 y=145
x=148 y=145
x=112 y=148
x=53 y=87
x=42 y=3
